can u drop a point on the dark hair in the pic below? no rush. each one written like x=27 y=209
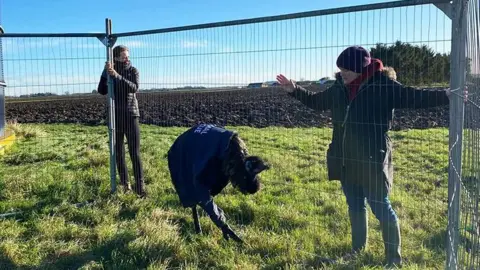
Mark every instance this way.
x=119 y=49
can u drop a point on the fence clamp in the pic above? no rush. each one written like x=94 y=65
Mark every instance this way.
x=108 y=41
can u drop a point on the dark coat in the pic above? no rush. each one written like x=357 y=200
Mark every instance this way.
x=195 y=163
x=361 y=150
x=125 y=87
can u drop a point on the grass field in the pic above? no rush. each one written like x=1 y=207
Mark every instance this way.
x=295 y=220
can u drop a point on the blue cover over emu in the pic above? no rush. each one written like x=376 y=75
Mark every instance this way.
x=195 y=161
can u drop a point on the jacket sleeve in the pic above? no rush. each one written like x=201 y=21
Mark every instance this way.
x=131 y=83
x=103 y=84
x=404 y=97
x=319 y=101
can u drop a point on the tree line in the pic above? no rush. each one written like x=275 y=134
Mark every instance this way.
x=416 y=64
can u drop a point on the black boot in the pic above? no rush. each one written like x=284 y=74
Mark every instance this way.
x=392 y=241
x=359 y=234
x=124 y=182
x=139 y=187
x=359 y=224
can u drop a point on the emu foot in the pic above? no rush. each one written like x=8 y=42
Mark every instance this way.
x=228 y=233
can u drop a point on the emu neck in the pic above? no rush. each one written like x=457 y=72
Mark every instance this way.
x=235 y=156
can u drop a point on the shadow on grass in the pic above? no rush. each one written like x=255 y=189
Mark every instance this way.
x=365 y=260
x=100 y=254
x=48 y=201
x=5 y=262
x=436 y=242
x=243 y=214
x=128 y=213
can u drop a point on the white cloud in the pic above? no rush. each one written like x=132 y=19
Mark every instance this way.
x=135 y=44
x=89 y=45
x=22 y=45
x=128 y=43
x=226 y=50
x=53 y=83
x=27 y=45
x=193 y=43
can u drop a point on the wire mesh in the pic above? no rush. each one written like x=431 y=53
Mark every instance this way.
x=226 y=75
x=2 y=84
x=2 y=95
x=469 y=229
x=52 y=80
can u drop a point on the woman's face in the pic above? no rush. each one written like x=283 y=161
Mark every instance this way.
x=124 y=57
x=348 y=76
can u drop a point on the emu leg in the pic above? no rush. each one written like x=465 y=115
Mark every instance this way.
x=198 y=229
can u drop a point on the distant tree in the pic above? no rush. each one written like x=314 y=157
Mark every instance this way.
x=94 y=91
x=415 y=65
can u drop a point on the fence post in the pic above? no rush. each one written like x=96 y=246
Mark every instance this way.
x=457 y=84
x=3 y=122
x=111 y=106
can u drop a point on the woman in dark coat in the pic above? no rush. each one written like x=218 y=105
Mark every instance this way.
x=125 y=86
x=361 y=101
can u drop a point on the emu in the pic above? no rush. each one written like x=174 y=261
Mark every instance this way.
x=202 y=161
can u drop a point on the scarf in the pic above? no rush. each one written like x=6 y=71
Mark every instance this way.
x=367 y=73
x=120 y=67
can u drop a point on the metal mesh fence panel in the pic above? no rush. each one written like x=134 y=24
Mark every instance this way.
x=469 y=241
x=2 y=86
x=54 y=166
x=226 y=74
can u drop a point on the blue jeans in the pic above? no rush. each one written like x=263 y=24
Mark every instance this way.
x=357 y=197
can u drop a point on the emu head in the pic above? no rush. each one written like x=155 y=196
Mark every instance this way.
x=246 y=178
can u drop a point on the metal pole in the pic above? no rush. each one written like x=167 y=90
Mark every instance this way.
x=457 y=84
x=111 y=108
x=3 y=122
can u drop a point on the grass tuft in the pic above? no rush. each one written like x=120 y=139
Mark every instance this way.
x=26 y=131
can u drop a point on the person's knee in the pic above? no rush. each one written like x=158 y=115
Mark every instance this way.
x=356 y=203
x=355 y=198
x=383 y=210
x=357 y=207
x=119 y=145
x=134 y=150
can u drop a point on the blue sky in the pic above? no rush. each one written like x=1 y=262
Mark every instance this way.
x=236 y=55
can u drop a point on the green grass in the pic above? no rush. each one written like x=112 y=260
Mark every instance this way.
x=296 y=219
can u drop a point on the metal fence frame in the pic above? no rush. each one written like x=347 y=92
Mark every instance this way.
x=2 y=90
x=456 y=10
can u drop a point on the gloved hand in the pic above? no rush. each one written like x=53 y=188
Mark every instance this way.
x=227 y=233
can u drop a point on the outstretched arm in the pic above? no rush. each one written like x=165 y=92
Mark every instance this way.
x=319 y=101
x=413 y=98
